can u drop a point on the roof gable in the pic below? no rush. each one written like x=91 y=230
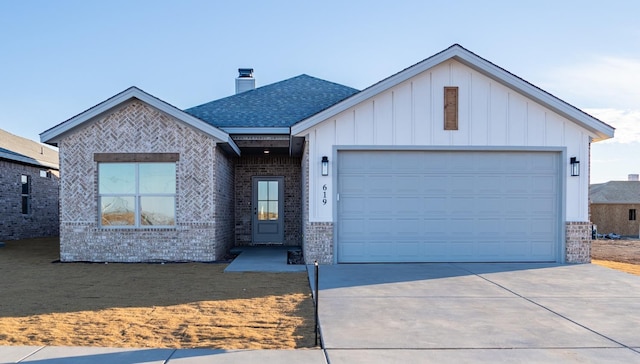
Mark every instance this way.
x=278 y=105
x=618 y=192
x=598 y=128
x=53 y=135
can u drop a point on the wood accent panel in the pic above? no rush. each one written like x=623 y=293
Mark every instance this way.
x=450 y=108
x=136 y=157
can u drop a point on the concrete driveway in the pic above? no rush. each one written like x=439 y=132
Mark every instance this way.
x=384 y=313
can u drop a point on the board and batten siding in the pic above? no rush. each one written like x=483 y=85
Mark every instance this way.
x=412 y=114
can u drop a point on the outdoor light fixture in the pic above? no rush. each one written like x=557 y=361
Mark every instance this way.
x=325 y=166
x=575 y=166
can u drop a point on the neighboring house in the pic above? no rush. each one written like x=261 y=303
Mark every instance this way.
x=615 y=207
x=452 y=159
x=29 y=184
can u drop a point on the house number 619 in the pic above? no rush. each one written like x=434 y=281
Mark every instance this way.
x=324 y=194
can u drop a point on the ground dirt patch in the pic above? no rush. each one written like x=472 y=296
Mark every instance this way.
x=182 y=305
x=623 y=254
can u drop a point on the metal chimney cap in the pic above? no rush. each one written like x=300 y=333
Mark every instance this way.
x=245 y=72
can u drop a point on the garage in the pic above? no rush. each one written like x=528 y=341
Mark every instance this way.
x=449 y=206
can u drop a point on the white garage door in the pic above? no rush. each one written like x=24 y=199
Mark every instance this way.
x=448 y=206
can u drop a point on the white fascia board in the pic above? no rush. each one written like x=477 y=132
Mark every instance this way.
x=457 y=52
x=52 y=134
x=257 y=131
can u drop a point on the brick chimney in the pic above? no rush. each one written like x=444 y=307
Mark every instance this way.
x=634 y=177
x=245 y=80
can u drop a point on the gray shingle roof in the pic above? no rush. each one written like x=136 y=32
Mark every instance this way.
x=615 y=192
x=279 y=104
x=22 y=150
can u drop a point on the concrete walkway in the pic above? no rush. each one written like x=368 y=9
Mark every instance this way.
x=75 y=355
x=263 y=259
x=437 y=313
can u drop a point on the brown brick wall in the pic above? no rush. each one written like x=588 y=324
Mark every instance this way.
x=43 y=217
x=578 y=242
x=288 y=167
x=138 y=128
x=614 y=218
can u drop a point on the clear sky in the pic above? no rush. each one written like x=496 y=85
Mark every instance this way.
x=58 y=58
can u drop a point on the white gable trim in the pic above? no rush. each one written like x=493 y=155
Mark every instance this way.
x=457 y=52
x=52 y=136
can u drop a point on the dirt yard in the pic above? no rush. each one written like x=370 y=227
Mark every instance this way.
x=617 y=254
x=188 y=305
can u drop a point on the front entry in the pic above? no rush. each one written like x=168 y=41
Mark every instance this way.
x=268 y=207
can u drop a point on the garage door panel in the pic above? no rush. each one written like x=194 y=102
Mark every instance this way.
x=434 y=185
x=400 y=206
x=353 y=205
x=407 y=249
x=516 y=184
x=488 y=184
x=408 y=206
x=406 y=227
x=409 y=185
x=518 y=206
x=461 y=184
x=351 y=184
x=542 y=206
x=542 y=227
x=435 y=227
x=435 y=205
x=493 y=206
x=544 y=184
x=541 y=248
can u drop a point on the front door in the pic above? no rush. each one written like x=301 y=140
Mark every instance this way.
x=268 y=207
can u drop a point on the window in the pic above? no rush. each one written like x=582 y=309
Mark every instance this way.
x=45 y=174
x=632 y=214
x=267 y=200
x=137 y=194
x=26 y=198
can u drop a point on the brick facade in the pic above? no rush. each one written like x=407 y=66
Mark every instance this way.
x=578 y=242
x=287 y=167
x=224 y=192
x=204 y=185
x=43 y=217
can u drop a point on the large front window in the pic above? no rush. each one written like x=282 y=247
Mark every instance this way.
x=137 y=194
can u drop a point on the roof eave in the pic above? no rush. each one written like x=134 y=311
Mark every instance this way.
x=26 y=160
x=257 y=130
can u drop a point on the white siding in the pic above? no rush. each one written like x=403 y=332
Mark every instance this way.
x=490 y=114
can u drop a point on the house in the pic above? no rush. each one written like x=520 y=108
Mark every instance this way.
x=614 y=206
x=452 y=159
x=29 y=182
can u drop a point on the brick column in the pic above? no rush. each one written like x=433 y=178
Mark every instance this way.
x=578 y=242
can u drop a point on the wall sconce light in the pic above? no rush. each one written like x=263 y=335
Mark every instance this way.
x=325 y=166
x=575 y=166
